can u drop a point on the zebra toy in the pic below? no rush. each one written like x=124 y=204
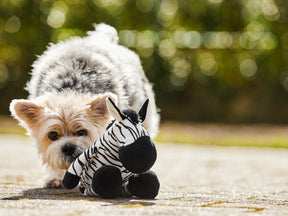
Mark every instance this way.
x=118 y=162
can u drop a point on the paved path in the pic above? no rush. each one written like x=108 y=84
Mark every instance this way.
x=195 y=180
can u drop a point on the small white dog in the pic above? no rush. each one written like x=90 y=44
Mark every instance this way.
x=66 y=110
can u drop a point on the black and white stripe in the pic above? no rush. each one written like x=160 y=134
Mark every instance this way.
x=104 y=151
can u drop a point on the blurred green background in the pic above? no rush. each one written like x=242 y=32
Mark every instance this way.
x=209 y=60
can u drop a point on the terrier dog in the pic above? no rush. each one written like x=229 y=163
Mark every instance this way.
x=66 y=109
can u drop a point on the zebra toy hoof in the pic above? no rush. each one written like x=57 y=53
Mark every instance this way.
x=70 y=181
x=107 y=182
x=144 y=185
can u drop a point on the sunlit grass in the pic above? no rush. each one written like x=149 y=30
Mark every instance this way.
x=275 y=142
x=10 y=126
x=200 y=134
x=224 y=135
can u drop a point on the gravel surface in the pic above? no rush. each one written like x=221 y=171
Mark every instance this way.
x=195 y=180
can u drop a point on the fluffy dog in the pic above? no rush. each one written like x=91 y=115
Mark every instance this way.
x=66 y=109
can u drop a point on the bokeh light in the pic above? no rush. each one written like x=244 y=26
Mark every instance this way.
x=213 y=50
x=167 y=48
x=248 y=67
x=13 y=24
x=207 y=63
x=57 y=15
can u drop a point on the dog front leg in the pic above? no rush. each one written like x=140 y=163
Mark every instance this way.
x=55 y=179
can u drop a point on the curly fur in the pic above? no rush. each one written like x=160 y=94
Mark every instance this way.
x=67 y=91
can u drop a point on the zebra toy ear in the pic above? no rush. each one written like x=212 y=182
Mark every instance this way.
x=143 y=110
x=114 y=110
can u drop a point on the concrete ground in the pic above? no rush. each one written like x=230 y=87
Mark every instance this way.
x=195 y=180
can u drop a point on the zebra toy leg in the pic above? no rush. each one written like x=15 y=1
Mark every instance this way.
x=70 y=180
x=145 y=185
x=107 y=182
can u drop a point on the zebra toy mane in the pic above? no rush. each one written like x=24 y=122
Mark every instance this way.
x=132 y=115
x=123 y=152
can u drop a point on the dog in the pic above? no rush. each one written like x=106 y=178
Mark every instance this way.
x=66 y=108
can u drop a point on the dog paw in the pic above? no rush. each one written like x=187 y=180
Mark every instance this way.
x=53 y=183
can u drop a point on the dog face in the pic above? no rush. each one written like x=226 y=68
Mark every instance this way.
x=63 y=125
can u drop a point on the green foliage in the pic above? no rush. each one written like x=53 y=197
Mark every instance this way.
x=215 y=60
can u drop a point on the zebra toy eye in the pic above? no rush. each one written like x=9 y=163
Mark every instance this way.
x=82 y=132
x=53 y=135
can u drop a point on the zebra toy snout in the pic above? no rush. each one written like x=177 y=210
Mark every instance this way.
x=139 y=156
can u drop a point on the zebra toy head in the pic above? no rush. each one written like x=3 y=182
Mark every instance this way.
x=119 y=161
x=137 y=151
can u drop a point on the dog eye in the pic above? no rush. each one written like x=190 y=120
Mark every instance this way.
x=53 y=135
x=81 y=133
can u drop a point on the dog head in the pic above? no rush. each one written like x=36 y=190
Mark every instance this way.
x=63 y=125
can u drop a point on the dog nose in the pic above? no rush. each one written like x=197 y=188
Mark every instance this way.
x=69 y=148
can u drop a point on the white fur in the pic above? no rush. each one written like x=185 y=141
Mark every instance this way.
x=69 y=84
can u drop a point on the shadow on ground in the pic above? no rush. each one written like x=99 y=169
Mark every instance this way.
x=64 y=194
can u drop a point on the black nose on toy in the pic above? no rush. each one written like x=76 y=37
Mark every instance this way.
x=139 y=156
x=68 y=149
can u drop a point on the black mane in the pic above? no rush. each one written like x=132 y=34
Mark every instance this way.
x=110 y=124
x=132 y=115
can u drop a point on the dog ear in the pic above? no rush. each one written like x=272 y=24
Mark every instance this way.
x=114 y=110
x=143 y=110
x=26 y=112
x=98 y=108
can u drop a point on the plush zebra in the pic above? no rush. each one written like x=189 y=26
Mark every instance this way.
x=118 y=162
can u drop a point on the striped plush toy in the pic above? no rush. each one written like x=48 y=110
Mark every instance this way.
x=118 y=162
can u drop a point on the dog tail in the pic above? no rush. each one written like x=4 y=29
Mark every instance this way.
x=104 y=32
